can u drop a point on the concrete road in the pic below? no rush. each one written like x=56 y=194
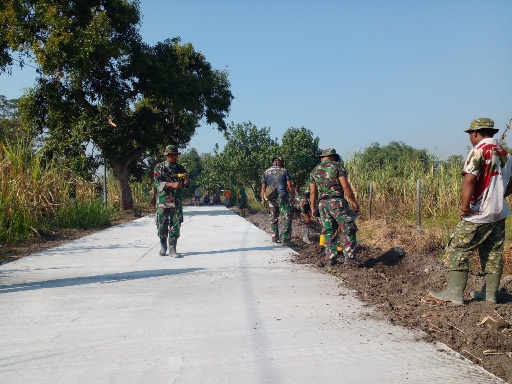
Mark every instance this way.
x=108 y=309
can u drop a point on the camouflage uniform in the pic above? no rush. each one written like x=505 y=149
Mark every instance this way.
x=487 y=238
x=169 y=207
x=280 y=209
x=487 y=176
x=334 y=209
x=484 y=231
x=303 y=204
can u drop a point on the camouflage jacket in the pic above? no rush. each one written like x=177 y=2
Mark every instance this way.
x=167 y=172
x=326 y=177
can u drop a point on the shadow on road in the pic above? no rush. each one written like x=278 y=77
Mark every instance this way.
x=108 y=278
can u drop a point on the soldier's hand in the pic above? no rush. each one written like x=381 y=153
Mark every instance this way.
x=316 y=212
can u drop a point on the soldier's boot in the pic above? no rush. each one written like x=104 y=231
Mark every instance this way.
x=488 y=292
x=455 y=291
x=242 y=212
x=305 y=238
x=172 y=248
x=246 y=211
x=163 y=246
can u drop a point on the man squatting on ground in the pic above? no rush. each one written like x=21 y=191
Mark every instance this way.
x=487 y=174
x=329 y=186
x=280 y=205
x=170 y=178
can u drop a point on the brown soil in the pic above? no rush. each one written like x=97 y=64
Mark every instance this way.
x=396 y=284
x=393 y=282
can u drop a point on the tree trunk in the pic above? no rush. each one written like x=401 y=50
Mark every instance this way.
x=122 y=177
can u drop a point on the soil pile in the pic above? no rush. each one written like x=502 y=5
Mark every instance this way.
x=396 y=273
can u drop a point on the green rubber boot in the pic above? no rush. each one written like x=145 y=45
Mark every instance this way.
x=163 y=246
x=454 y=292
x=488 y=292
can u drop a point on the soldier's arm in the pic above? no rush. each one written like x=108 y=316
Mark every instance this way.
x=349 y=193
x=468 y=186
x=313 y=195
x=262 y=193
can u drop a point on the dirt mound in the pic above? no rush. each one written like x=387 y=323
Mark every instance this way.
x=397 y=271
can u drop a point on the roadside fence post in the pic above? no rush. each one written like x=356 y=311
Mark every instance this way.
x=371 y=198
x=419 y=202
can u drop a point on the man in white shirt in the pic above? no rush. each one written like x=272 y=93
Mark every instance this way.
x=487 y=174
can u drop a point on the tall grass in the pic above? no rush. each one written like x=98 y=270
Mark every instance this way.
x=394 y=193
x=36 y=194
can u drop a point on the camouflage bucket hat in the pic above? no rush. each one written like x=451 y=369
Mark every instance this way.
x=330 y=152
x=171 y=149
x=278 y=158
x=481 y=123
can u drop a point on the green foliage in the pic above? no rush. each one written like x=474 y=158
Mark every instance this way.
x=99 y=83
x=300 y=152
x=193 y=164
x=36 y=194
x=247 y=153
x=393 y=172
x=82 y=215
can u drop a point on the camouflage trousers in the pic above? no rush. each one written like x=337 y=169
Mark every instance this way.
x=487 y=239
x=335 y=214
x=281 y=215
x=168 y=222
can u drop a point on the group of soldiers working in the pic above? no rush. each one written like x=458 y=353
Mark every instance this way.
x=487 y=176
x=328 y=197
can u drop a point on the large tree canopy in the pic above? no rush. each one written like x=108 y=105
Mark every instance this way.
x=98 y=82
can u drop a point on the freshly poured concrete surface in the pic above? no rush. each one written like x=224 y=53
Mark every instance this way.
x=108 y=309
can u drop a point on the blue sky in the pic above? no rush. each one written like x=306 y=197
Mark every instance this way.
x=352 y=72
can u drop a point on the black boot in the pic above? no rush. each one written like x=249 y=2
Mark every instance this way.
x=163 y=246
x=172 y=248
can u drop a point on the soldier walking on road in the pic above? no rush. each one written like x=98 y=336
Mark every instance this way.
x=278 y=180
x=487 y=174
x=170 y=178
x=329 y=186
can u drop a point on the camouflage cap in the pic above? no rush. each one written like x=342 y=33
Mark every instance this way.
x=171 y=149
x=482 y=123
x=278 y=158
x=330 y=152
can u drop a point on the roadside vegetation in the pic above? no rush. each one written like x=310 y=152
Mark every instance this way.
x=104 y=98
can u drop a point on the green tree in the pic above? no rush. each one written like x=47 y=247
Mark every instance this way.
x=300 y=152
x=10 y=123
x=99 y=83
x=192 y=163
x=247 y=153
x=395 y=154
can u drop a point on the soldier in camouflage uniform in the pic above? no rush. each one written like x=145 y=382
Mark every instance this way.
x=280 y=206
x=170 y=178
x=487 y=174
x=329 y=186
